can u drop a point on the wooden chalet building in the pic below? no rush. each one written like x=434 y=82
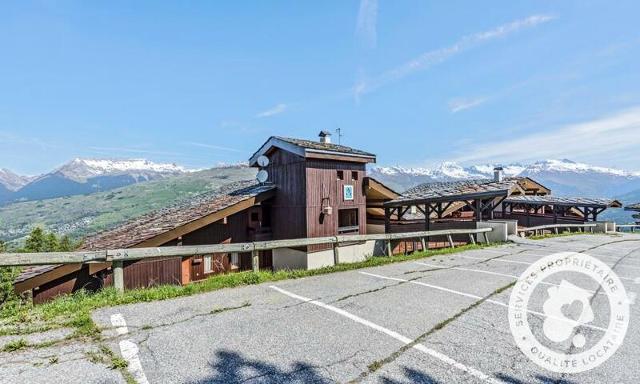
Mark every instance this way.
x=310 y=189
x=304 y=189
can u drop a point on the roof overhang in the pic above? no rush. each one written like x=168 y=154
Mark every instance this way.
x=532 y=185
x=404 y=202
x=563 y=202
x=156 y=241
x=202 y=222
x=275 y=142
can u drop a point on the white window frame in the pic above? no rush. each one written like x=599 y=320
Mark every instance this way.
x=234 y=260
x=208 y=263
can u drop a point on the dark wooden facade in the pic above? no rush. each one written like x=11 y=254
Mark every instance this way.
x=305 y=187
x=239 y=227
x=288 y=209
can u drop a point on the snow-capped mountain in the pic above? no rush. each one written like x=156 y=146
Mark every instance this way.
x=11 y=181
x=564 y=177
x=83 y=176
x=449 y=171
x=82 y=169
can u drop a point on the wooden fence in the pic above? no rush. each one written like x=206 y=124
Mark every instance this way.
x=118 y=256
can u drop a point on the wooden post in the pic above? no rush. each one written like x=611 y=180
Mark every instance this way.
x=427 y=220
x=424 y=244
x=336 y=253
x=118 y=276
x=255 y=260
x=450 y=240
x=556 y=230
x=389 y=249
x=387 y=220
x=472 y=239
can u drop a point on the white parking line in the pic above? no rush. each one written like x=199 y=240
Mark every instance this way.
x=129 y=350
x=500 y=260
x=493 y=273
x=403 y=339
x=634 y=279
x=117 y=320
x=476 y=297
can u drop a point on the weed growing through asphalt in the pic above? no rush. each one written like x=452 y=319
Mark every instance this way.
x=15 y=345
x=220 y=310
x=562 y=234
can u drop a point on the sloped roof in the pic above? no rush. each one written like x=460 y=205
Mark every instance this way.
x=452 y=190
x=153 y=224
x=330 y=147
x=380 y=187
x=566 y=201
x=33 y=271
x=304 y=147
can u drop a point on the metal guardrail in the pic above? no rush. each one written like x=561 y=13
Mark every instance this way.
x=118 y=256
x=556 y=228
x=631 y=227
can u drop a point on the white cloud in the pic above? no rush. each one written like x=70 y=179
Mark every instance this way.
x=211 y=146
x=430 y=58
x=614 y=135
x=366 y=30
x=458 y=105
x=278 y=109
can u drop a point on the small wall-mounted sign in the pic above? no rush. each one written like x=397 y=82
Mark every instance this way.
x=347 y=192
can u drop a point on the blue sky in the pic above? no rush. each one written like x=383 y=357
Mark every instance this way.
x=416 y=82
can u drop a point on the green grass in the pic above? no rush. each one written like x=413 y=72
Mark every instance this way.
x=106 y=356
x=15 y=345
x=75 y=310
x=563 y=234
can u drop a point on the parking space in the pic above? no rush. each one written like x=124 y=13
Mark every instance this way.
x=435 y=320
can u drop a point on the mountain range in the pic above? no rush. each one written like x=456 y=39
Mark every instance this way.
x=89 y=195
x=82 y=176
x=563 y=177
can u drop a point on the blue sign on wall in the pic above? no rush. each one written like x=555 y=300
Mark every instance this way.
x=348 y=192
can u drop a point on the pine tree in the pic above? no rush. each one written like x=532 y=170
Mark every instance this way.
x=36 y=241
x=65 y=244
x=50 y=242
x=7 y=276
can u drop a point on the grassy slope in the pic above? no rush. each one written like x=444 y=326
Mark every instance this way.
x=85 y=214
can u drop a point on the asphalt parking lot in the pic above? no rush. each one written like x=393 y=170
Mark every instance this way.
x=435 y=320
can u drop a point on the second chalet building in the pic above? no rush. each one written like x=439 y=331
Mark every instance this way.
x=304 y=189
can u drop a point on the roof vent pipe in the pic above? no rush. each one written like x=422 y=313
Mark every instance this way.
x=325 y=137
x=497 y=174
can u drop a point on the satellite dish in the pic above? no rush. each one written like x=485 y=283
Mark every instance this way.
x=262 y=176
x=263 y=161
